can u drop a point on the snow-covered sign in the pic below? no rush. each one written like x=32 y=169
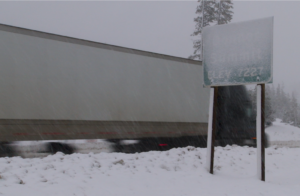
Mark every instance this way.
x=238 y=53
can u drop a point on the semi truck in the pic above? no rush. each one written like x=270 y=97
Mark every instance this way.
x=56 y=87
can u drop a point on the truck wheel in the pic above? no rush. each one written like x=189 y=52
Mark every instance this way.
x=54 y=147
x=6 y=150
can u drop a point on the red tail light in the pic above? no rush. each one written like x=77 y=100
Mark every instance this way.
x=162 y=144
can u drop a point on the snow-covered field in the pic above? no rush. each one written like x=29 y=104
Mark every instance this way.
x=177 y=172
x=283 y=135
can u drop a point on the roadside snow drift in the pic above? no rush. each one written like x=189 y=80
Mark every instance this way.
x=280 y=131
x=282 y=134
x=176 y=172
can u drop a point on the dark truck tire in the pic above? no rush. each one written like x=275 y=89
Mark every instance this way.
x=54 y=147
x=6 y=150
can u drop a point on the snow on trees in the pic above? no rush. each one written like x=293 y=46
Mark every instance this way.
x=279 y=104
x=214 y=12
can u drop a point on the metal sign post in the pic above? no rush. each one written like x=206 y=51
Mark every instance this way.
x=260 y=131
x=213 y=102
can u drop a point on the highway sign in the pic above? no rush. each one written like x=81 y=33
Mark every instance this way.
x=238 y=53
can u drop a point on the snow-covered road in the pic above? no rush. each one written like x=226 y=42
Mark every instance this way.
x=280 y=135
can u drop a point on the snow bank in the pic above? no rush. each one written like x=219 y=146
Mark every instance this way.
x=280 y=131
x=176 y=172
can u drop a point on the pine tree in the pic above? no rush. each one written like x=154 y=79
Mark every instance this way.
x=209 y=17
x=279 y=100
x=223 y=13
x=273 y=100
x=218 y=12
x=298 y=116
x=269 y=109
x=294 y=109
x=279 y=104
x=287 y=109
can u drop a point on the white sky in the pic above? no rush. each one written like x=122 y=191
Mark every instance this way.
x=157 y=26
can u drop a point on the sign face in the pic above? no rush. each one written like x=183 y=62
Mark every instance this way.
x=238 y=53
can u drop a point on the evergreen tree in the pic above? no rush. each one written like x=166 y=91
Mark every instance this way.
x=294 y=110
x=279 y=100
x=269 y=109
x=207 y=10
x=287 y=110
x=278 y=104
x=298 y=116
x=223 y=13
x=218 y=12
x=273 y=100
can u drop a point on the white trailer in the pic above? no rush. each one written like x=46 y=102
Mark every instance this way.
x=56 y=88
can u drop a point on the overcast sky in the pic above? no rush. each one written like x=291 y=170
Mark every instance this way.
x=158 y=26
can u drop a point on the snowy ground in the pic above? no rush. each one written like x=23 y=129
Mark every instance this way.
x=283 y=135
x=177 y=172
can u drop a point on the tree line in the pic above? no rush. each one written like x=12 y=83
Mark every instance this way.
x=279 y=104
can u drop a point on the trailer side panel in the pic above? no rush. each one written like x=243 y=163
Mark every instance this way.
x=54 y=80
